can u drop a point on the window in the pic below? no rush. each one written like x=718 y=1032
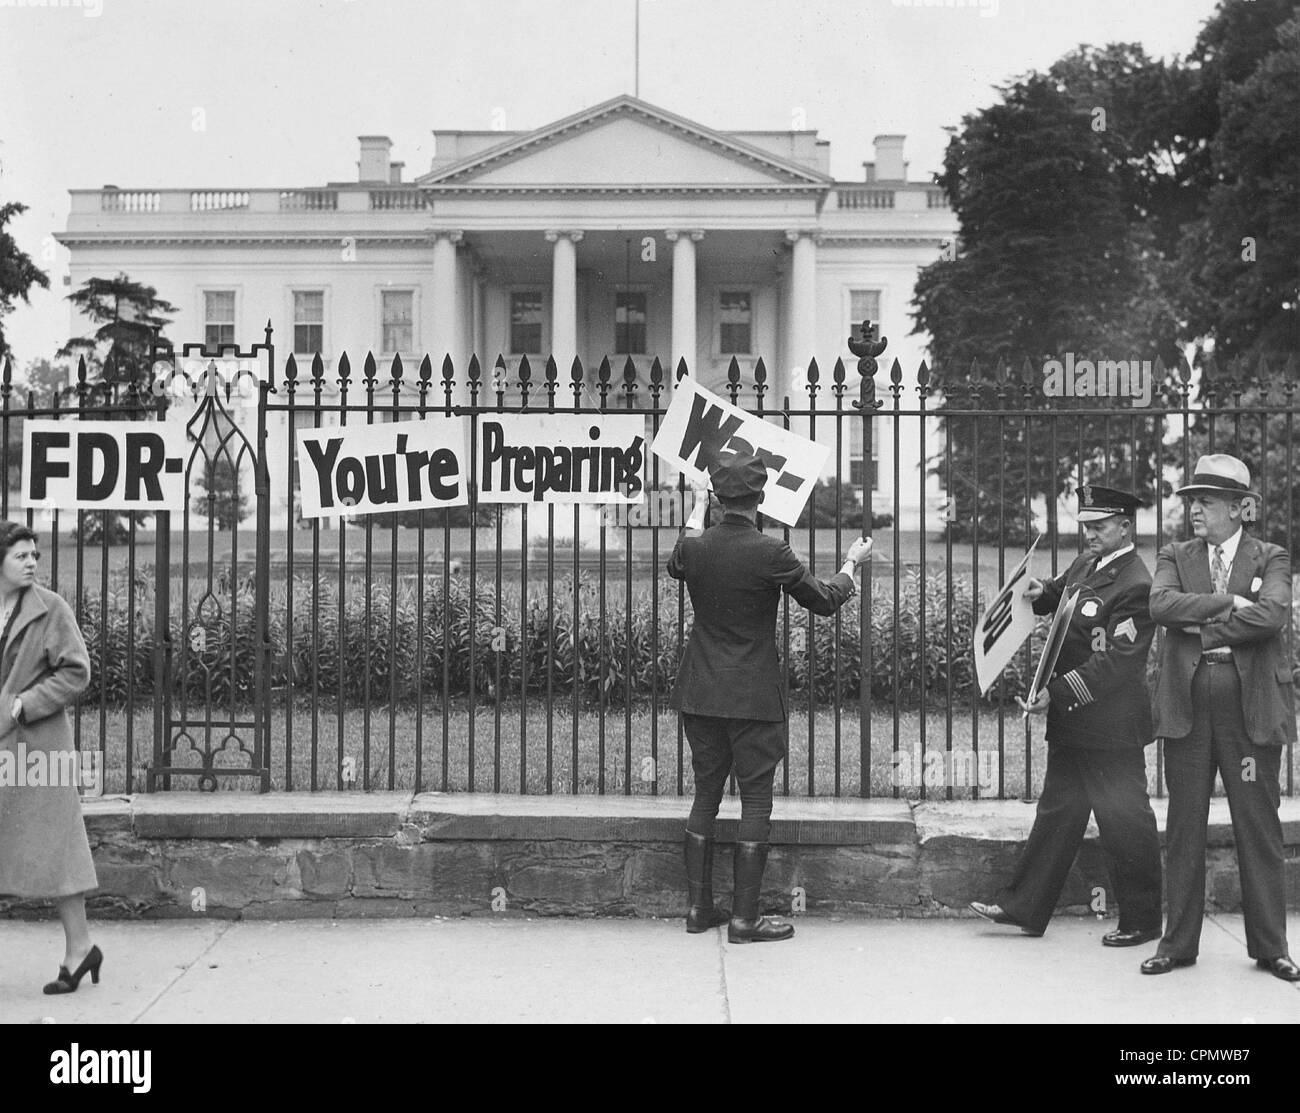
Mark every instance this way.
x=856 y=458
x=526 y=323
x=734 y=321
x=308 y=321
x=629 y=323
x=218 y=317
x=864 y=305
x=398 y=313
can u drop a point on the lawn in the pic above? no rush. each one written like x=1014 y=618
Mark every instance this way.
x=636 y=758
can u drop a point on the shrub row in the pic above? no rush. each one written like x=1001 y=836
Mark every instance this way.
x=374 y=646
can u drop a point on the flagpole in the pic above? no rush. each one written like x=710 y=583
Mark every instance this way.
x=636 y=52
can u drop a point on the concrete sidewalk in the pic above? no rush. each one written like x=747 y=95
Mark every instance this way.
x=482 y=969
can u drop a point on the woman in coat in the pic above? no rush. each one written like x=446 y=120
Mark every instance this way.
x=43 y=667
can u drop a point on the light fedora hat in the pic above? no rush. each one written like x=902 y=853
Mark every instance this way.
x=1218 y=474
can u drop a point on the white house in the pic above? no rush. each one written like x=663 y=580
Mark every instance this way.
x=621 y=230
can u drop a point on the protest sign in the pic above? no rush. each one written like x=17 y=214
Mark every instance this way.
x=560 y=458
x=1052 y=647
x=374 y=469
x=1008 y=621
x=700 y=428
x=103 y=465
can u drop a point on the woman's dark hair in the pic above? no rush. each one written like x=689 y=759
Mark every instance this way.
x=11 y=533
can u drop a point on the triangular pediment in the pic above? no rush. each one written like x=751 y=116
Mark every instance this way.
x=623 y=142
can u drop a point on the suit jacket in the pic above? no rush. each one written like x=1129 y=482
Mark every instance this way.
x=735 y=576
x=1183 y=596
x=1098 y=687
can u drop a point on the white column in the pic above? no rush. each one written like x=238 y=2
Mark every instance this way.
x=684 y=300
x=445 y=321
x=564 y=297
x=802 y=337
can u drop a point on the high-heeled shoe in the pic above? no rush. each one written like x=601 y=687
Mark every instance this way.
x=67 y=983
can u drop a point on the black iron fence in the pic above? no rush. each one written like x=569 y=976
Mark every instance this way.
x=532 y=649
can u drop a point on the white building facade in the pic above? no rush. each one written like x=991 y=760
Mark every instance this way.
x=623 y=230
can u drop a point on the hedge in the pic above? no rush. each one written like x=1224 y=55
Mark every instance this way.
x=391 y=665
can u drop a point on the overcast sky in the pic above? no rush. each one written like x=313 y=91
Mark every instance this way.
x=98 y=91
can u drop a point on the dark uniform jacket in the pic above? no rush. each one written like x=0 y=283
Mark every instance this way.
x=735 y=575
x=1183 y=595
x=1098 y=687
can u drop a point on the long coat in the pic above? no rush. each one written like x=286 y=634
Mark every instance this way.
x=43 y=847
x=1183 y=595
x=1098 y=688
x=735 y=575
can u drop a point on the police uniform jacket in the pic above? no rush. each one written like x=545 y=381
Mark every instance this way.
x=1183 y=596
x=735 y=576
x=1098 y=687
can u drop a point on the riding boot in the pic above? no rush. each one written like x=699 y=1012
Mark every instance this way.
x=701 y=915
x=747 y=926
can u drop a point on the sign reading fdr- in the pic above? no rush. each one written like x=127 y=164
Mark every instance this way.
x=700 y=428
x=103 y=465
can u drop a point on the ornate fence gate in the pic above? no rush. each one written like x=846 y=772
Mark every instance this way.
x=211 y=711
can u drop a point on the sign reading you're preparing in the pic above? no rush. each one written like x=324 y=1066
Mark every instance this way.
x=103 y=465
x=411 y=465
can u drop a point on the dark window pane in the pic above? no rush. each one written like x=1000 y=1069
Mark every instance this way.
x=630 y=323
x=735 y=318
x=526 y=323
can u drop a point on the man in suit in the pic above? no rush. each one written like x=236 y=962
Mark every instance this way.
x=729 y=686
x=1225 y=701
x=1098 y=721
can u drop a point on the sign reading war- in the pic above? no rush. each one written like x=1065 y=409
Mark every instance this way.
x=700 y=428
x=104 y=465
x=372 y=469
x=560 y=458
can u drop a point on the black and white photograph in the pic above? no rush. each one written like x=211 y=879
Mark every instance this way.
x=508 y=504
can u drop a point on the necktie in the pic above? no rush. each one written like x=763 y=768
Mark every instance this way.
x=1219 y=572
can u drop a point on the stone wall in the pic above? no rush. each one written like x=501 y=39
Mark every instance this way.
x=393 y=854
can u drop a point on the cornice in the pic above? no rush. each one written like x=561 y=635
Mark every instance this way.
x=114 y=239
x=440 y=189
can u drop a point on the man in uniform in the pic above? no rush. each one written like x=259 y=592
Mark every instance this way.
x=729 y=686
x=1225 y=701
x=1098 y=721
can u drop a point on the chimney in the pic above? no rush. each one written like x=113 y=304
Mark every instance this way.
x=890 y=166
x=869 y=168
x=373 y=165
x=395 y=173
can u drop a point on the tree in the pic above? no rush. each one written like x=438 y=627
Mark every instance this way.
x=119 y=356
x=228 y=497
x=1055 y=257
x=18 y=274
x=1239 y=261
x=130 y=319
x=45 y=380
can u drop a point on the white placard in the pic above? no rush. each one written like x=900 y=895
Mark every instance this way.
x=700 y=428
x=375 y=469
x=103 y=465
x=560 y=458
x=1003 y=628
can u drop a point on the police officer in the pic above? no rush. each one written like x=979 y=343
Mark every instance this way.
x=729 y=687
x=1098 y=722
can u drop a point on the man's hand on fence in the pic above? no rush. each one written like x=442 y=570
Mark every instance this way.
x=859 y=551
x=1033 y=589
